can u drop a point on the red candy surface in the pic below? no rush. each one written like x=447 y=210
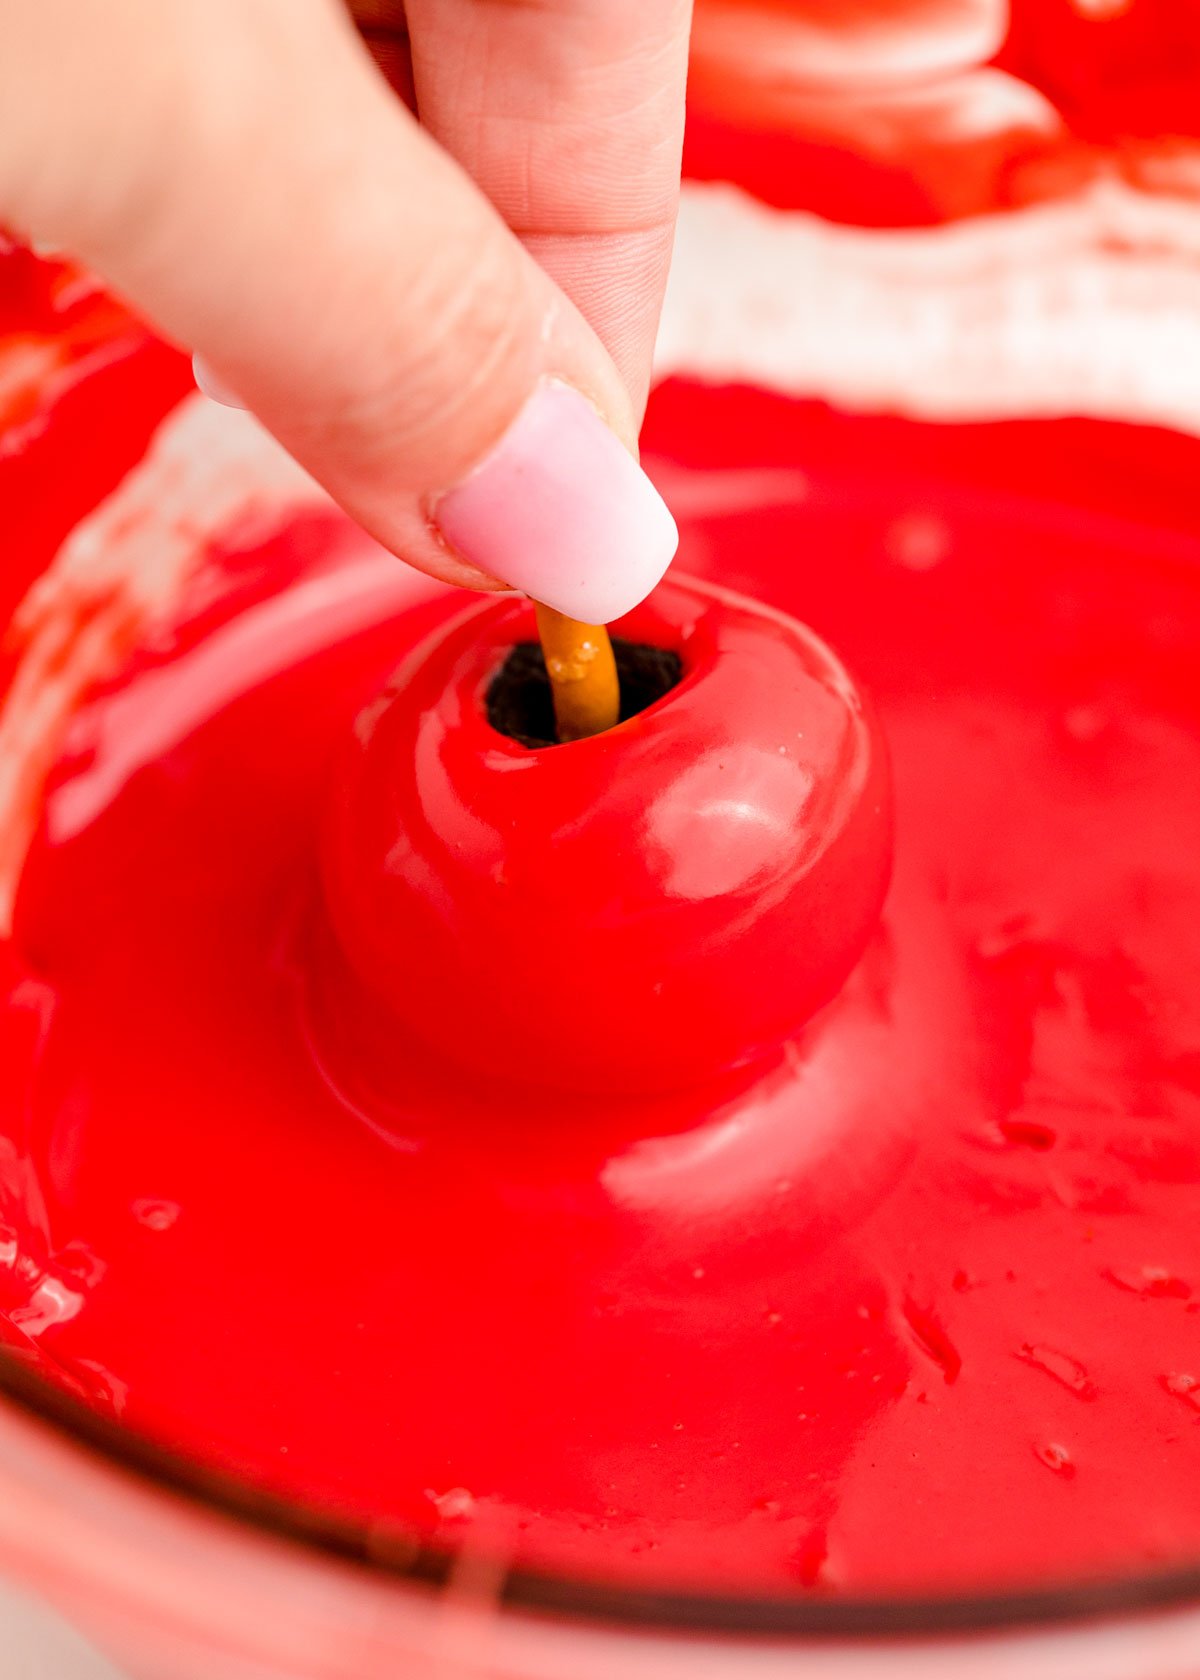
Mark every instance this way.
x=644 y=909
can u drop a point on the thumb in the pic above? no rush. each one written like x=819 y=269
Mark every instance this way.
x=254 y=187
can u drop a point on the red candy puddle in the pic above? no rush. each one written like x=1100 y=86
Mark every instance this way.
x=914 y=1307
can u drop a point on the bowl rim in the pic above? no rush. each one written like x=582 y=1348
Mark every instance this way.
x=401 y=1556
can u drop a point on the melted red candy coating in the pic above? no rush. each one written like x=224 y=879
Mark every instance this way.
x=912 y=1307
x=644 y=909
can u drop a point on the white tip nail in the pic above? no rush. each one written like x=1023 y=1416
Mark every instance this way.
x=213 y=386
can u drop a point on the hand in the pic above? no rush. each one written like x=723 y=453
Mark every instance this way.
x=436 y=318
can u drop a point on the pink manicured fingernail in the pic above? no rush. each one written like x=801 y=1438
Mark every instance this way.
x=212 y=386
x=560 y=509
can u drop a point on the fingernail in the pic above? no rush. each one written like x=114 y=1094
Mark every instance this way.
x=212 y=386
x=560 y=509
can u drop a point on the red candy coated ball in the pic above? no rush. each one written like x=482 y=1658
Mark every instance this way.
x=636 y=911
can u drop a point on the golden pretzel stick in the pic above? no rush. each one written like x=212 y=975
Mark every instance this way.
x=582 y=672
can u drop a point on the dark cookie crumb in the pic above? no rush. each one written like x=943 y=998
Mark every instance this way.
x=520 y=705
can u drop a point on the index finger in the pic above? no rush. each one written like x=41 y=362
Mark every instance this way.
x=569 y=116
